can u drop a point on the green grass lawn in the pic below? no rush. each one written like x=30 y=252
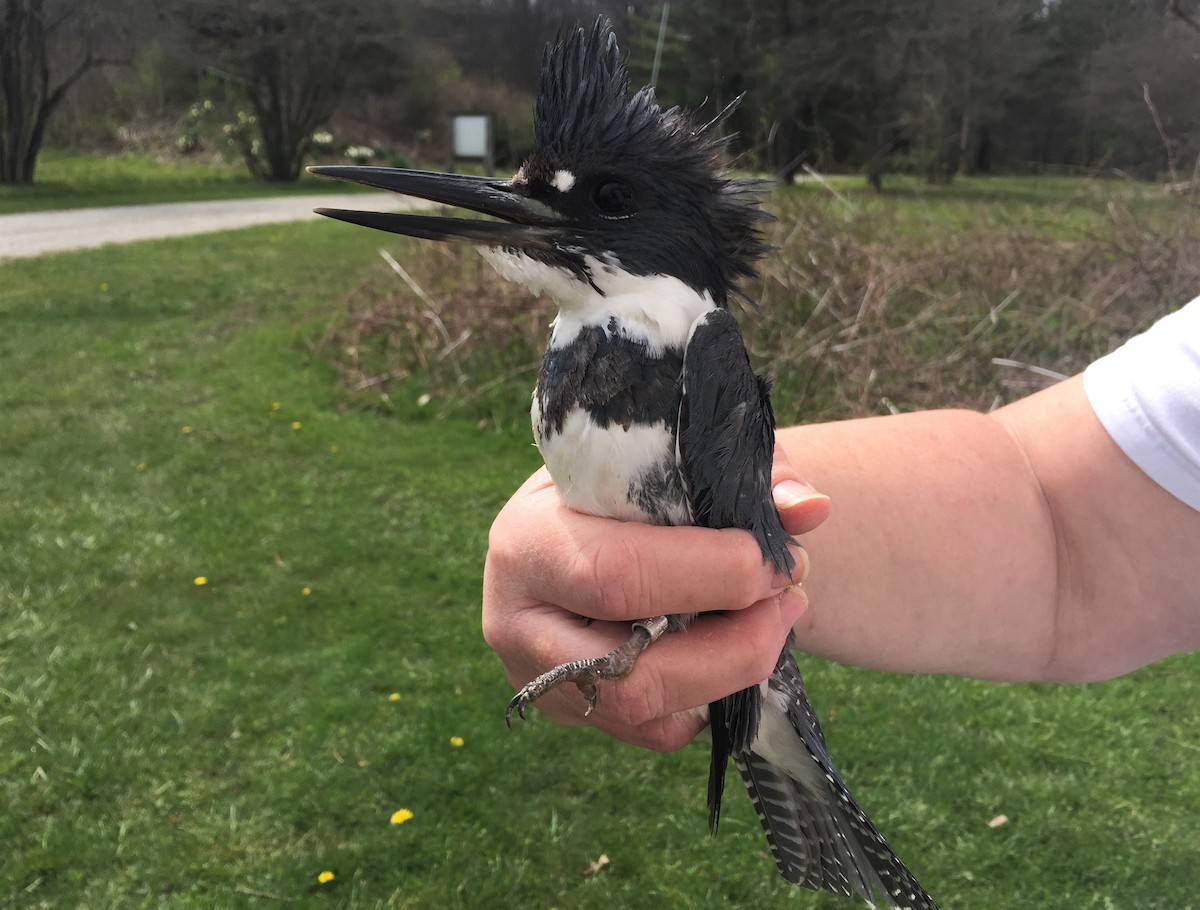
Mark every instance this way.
x=166 y=415
x=68 y=180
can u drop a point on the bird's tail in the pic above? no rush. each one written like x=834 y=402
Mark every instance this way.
x=818 y=834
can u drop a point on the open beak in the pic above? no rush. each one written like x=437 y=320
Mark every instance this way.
x=527 y=223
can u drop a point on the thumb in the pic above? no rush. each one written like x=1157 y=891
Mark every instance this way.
x=800 y=506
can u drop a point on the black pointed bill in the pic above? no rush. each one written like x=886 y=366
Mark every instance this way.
x=526 y=223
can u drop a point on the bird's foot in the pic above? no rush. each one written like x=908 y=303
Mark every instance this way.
x=616 y=664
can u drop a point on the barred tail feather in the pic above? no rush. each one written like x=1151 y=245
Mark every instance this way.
x=819 y=835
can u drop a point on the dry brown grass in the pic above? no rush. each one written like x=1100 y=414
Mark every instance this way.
x=864 y=309
x=854 y=324
x=436 y=322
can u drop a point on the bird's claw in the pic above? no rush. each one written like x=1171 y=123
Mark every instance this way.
x=616 y=664
x=591 y=693
x=583 y=673
x=518 y=703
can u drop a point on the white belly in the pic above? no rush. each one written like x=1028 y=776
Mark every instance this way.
x=600 y=470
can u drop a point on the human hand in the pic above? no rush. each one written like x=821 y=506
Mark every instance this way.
x=550 y=567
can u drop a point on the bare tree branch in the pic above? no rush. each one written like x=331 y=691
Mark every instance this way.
x=1162 y=133
x=1175 y=7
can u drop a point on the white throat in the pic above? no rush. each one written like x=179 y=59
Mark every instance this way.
x=658 y=310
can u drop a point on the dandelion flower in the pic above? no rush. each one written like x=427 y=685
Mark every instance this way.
x=400 y=816
x=395 y=696
x=275 y=405
x=141 y=465
x=306 y=591
x=201 y=581
x=333 y=450
x=186 y=431
x=456 y=742
x=326 y=877
x=296 y=424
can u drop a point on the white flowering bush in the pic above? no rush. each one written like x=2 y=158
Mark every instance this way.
x=191 y=138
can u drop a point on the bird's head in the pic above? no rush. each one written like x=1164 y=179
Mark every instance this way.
x=615 y=186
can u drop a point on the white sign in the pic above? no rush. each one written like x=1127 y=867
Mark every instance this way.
x=469 y=135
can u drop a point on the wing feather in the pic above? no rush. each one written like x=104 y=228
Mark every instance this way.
x=819 y=836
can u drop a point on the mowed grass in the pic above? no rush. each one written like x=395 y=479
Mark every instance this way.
x=169 y=744
x=67 y=180
x=1061 y=208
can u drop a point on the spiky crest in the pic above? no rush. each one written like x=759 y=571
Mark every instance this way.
x=587 y=122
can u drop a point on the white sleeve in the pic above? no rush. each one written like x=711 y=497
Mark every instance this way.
x=1147 y=395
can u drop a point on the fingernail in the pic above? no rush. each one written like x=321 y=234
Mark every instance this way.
x=790 y=493
x=803 y=565
x=799 y=572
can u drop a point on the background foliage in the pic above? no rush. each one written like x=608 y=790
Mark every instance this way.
x=935 y=88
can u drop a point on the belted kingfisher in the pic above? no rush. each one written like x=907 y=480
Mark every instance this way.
x=646 y=407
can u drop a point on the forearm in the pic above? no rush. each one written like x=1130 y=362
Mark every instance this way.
x=1018 y=545
x=937 y=557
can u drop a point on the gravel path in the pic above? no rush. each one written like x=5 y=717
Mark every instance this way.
x=35 y=233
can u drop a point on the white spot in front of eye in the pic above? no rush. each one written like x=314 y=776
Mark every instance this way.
x=563 y=181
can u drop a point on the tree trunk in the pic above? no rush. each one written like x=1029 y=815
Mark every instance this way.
x=964 y=140
x=26 y=97
x=23 y=82
x=289 y=105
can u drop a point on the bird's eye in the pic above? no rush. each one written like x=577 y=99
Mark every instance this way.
x=613 y=197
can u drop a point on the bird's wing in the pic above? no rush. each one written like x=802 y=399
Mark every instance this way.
x=726 y=438
x=726 y=442
x=818 y=834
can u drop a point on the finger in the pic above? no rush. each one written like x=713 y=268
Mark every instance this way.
x=800 y=506
x=663 y=734
x=717 y=655
x=566 y=707
x=612 y=570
